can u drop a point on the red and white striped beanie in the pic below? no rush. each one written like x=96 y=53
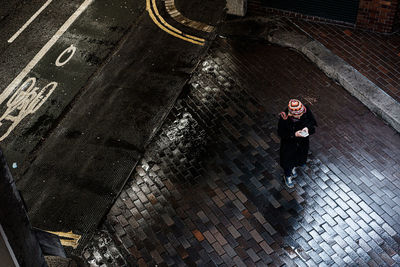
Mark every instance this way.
x=296 y=107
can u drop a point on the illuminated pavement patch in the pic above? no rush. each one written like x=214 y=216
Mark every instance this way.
x=209 y=189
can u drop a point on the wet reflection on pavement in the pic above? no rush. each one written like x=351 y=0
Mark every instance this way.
x=209 y=190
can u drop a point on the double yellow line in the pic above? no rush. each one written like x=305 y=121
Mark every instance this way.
x=67 y=239
x=162 y=24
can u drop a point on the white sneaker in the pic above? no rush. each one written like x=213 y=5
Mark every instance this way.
x=294 y=172
x=288 y=181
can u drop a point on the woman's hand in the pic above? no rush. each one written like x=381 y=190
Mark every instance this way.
x=298 y=133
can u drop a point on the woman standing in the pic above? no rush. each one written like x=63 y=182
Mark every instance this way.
x=295 y=124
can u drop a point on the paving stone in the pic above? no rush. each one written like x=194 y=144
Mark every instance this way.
x=199 y=236
x=218 y=248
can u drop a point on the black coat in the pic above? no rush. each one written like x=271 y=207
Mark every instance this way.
x=294 y=149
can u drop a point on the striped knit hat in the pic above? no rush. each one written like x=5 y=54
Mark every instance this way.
x=296 y=107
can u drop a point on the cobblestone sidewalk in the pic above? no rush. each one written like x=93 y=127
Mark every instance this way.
x=209 y=191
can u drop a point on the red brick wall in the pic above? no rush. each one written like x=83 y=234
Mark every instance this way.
x=377 y=15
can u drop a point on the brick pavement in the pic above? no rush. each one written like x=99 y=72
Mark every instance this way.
x=375 y=55
x=209 y=191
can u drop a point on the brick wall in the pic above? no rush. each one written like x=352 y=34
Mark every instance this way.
x=377 y=15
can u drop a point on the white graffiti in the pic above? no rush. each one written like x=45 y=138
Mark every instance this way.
x=26 y=100
x=71 y=50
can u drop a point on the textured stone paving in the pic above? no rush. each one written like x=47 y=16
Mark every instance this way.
x=209 y=190
x=375 y=55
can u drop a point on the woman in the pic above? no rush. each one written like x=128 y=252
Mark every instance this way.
x=295 y=124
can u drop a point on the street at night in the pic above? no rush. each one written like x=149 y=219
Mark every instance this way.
x=144 y=133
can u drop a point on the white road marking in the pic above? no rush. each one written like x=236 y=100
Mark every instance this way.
x=27 y=98
x=13 y=85
x=29 y=21
x=70 y=50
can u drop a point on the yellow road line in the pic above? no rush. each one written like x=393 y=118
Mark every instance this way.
x=154 y=5
x=152 y=16
x=171 y=27
x=68 y=239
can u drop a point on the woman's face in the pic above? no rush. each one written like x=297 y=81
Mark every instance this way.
x=295 y=116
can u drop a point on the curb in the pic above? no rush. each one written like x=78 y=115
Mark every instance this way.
x=351 y=79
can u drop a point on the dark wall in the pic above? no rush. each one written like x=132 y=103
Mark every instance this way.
x=15 y=222
x=342 y=10
x=5 y=256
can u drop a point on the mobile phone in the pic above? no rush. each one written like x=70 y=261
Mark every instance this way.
x=304 y=133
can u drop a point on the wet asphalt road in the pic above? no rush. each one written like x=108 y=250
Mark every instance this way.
x=95 y=35
x=94 y=29
x=83 y=89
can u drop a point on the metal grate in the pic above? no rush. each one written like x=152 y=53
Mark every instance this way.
x=342 y=10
